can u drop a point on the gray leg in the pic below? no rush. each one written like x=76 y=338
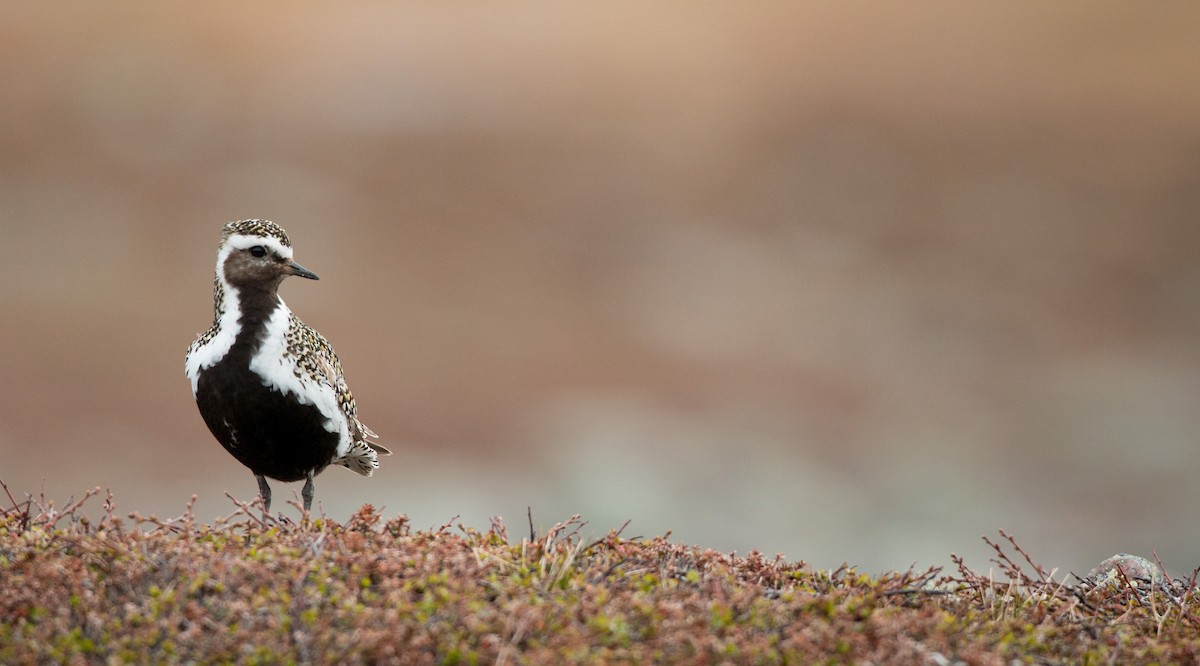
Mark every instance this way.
x=307 y=492
x=264 y=491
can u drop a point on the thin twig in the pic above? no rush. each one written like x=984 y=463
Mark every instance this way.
x=611 y=535
x=245 y=508
x=445 y=526
x=1036 y=567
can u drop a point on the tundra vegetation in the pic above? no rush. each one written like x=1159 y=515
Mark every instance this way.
x=252 y=588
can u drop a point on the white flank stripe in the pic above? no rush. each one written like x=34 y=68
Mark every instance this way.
x=278 y=371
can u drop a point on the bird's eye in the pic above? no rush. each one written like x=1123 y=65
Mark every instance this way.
x=258 y=251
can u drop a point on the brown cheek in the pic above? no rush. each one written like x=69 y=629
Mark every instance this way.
x=265 y=271
x=232 y=264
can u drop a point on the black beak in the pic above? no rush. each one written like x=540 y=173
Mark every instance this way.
x=296 y=269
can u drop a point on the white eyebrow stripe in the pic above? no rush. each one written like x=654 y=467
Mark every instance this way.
x=243 y=241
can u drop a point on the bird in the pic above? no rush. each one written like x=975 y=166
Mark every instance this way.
x=269 y=387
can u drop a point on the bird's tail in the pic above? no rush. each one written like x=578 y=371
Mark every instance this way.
x=361 y=458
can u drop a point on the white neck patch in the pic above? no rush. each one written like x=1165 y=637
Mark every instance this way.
x=204 y=356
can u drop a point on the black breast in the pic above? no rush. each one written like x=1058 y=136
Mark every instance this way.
x=271 y=433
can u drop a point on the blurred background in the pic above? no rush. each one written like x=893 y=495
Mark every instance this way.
x=848 y=282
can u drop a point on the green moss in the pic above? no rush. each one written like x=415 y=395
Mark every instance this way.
x=611 y=629
x=720 y=616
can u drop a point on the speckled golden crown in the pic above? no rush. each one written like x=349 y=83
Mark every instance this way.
x=255 y=228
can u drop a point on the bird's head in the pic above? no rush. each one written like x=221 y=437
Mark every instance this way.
x=257 y=254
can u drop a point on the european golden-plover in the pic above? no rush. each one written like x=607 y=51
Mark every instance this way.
x=270 y=388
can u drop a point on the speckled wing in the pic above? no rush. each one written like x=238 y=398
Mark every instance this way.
x=316 y=359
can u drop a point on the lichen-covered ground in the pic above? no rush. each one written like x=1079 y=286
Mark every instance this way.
x=260 y=590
